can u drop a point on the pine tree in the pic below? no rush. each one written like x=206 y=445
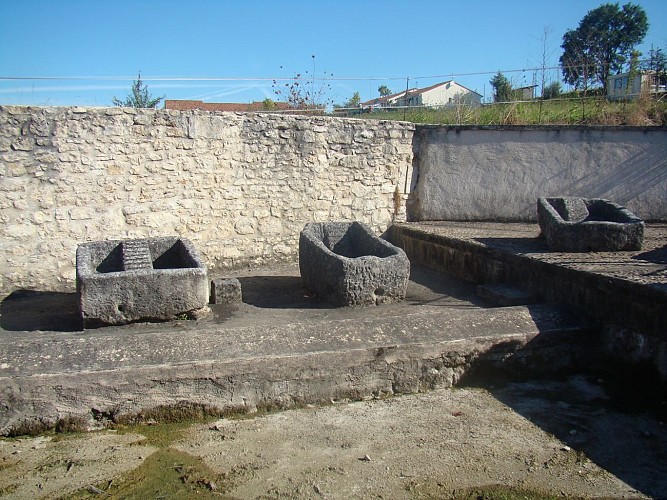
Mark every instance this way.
x=139 y=98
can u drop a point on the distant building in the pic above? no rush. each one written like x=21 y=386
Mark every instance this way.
x=385 y=101
x=621 y=86
x=443 y=94
x=184 y=105
x=526 y=93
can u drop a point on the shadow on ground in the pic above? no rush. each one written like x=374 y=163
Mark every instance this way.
x=426 y=287
x=278 y=292
x=627 y=440
x=657 y=256
x=29 y=310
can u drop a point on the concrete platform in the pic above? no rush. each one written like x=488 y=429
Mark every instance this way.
x=628 y=289
x=281 y=348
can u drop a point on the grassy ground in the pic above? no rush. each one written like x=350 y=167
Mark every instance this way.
x=589 y=111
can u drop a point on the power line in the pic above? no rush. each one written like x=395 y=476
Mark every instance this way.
x=281 y=78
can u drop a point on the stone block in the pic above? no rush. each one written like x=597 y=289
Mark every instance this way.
x=346 y=264
x=152 y=279
x=226 y=291
x=588 y=225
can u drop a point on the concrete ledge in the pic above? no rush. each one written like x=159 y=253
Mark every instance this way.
x=114 y=374
x=625 y=292
x=624 y=288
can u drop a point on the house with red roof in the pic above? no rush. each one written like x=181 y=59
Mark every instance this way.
x=184 y=105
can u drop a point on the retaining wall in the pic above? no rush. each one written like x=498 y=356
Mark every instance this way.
x=240 y=186
x=497 y=173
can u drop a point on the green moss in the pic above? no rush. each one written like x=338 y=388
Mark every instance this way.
x=502 y=493
x=160 y=435
x=167 y=473
x=40 y=426
x=180 y=412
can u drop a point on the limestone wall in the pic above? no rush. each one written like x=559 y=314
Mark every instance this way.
x=240 y=186
x=497 y=173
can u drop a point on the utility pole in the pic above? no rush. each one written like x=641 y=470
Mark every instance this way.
x=407 y=87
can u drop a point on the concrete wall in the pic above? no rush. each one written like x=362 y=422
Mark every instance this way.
x=497 y=174
x=240 y=186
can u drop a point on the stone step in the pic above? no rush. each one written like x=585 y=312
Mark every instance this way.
x=136 y=255
x=505 y=295
x=283 y=363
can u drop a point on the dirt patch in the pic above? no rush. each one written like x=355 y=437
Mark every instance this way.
x=538 y=439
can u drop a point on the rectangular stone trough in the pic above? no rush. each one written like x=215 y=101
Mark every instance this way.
x=588 y=225
x=153 y=279
x=346 y=264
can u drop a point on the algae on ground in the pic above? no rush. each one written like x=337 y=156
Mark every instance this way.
x=167 y=473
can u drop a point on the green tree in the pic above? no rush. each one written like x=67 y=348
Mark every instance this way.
x=502 y=88
x=656 y=62
x=139 y=98
x=268 y=104
x=384 y=90
x=602 y=43
x=551 y=91
x=353 y=102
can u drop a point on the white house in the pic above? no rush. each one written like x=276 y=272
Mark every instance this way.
x=385 y=101
x=442 y=94
x=439 y=95
x=621 y=86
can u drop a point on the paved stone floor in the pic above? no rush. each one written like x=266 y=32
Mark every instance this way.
x=647 y=266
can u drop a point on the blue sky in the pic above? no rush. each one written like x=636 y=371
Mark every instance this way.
x=85 y=52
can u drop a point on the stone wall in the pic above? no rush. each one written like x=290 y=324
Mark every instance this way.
x=497 y=173
x=240 y=186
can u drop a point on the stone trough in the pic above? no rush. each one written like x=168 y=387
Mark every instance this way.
x=153 y=279
x=346 y=264
x=588 y=225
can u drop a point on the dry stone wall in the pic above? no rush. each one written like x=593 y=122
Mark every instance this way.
x=240 y=186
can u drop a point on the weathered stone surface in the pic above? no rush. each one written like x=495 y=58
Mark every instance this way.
x=227 y=181
x=280 y=363
x=588 y=225
x=625 y=289
x=346 y=264
x=504 y=295
x=144 y=279
x=226 y=291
